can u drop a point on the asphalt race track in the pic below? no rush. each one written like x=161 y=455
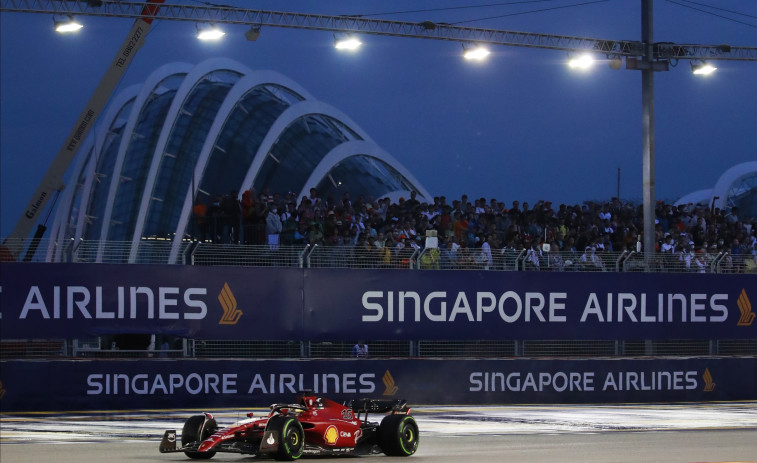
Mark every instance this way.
x=524 y=434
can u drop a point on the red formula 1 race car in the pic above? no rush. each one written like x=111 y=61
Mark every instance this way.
x=312 y=426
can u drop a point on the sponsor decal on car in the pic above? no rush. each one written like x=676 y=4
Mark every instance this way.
x=331 y=435
x=358 y=433
x=269 y=440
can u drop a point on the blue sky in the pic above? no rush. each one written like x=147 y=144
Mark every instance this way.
x=520 y=126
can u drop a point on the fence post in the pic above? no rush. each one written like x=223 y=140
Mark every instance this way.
x=648 y=347
x=714 y=347
x=192 y=253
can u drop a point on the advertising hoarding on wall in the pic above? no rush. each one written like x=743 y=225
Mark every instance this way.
x=207 y=384
x=75 y=300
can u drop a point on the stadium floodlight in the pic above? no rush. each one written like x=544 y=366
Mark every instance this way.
x=252 y=33
x=702 y=68
x=615 y=62
x=581 y=62
x=210 y=32
x=67 y=25
x=346 y=42
x=475 y=52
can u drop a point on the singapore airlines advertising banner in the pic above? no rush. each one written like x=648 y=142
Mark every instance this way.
x=208 y=384
x=530 y=305
x=70 y=300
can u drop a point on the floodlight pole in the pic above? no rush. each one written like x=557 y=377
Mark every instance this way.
x=647 y=122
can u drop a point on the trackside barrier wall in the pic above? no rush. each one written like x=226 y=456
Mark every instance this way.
x=240 y=384
x=47 y=301
x=53 y=301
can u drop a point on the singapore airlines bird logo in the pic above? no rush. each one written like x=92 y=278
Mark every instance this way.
x=709 y=384
x=391 y=386
x=231 y=313
x=747 y=316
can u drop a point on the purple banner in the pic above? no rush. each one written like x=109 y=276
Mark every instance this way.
x=447 y=305
x=206 y=384
x=74 y=300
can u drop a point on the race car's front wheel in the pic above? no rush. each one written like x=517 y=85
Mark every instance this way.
x=196 y=429
x=291 y=437
x=398 y=435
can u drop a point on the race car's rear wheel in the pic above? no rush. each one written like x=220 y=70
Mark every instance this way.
x=197 y=430
x=398 y=435
x=291 y=437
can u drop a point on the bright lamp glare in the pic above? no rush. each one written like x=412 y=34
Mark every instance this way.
x=705 y=70
x=476 y=53
x=350 y=43
x=211 y=33
x=67 y=26
x=581 y=62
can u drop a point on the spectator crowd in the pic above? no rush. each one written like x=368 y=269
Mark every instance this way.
x=545 y=234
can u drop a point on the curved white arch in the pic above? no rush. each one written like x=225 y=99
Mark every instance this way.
x=194 y=77
x=290 y=116
x=63 y=212
x=729 y=177
x=115 y=110
x=149 y=86
x=85 y=168
x=244 y=86
x=352 y=148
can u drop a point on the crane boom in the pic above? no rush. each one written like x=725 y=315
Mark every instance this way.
x=53 y=179
x=357 y=24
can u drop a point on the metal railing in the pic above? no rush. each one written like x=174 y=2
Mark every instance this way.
x=491 y=348
x=319 y=256
x=239 y=255
x=358 y=257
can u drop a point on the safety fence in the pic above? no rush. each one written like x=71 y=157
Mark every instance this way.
x=161 y=251
x=255 y=349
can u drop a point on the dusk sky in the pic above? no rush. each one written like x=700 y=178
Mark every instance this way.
x=519 y=126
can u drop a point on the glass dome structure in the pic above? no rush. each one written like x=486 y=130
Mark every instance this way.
x=736 y=187
x=191 y=133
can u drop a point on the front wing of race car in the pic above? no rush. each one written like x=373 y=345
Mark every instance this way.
x=168 y=445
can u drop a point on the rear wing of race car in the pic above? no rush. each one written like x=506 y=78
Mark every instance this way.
x=378 y=406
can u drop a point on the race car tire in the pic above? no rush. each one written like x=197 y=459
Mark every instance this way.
x=291 y=437
x=398 y=435
x=194 y=431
